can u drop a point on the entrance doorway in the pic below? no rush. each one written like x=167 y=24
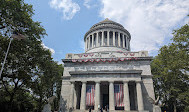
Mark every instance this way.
x=104 y=89
x=105 y=100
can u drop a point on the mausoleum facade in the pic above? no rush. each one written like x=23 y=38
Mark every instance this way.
x=108 y=74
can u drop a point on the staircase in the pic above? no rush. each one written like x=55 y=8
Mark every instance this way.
x=105 y=111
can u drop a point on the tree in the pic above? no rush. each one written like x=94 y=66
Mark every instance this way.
x=171 y=71
x=27 y=60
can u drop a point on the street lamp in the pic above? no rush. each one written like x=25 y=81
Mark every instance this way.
x=17 y=36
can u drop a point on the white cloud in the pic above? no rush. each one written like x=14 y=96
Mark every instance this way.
x=149 y=22
x=90 y=3
x=67 y=7
x=86 y=3
x=50 y=49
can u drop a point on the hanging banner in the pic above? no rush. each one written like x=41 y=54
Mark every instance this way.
x=90 y=95
x=118 y=95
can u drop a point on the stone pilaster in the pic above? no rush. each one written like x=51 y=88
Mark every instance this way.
x=71 y=105
x=119 y=40
x=83 y=96
x=139 y=96
x=108 y=38
x=126 y=96
x=97 y=95
x=111 y=96
x=113 y=38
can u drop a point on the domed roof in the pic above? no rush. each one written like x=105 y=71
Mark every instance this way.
x=106 y=21
x=107 y=24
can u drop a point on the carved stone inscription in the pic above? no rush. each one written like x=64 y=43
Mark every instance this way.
x=109 y=68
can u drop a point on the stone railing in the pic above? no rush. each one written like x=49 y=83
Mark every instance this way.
x=117 y=54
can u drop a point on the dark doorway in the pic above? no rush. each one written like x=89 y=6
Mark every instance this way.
x=104 y=94
x=105 y=100
x=78 y=94
x=132 y=96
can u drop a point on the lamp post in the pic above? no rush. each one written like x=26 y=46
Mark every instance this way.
x=14 y=36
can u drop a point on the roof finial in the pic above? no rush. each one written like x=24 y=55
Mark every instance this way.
x=106 y=19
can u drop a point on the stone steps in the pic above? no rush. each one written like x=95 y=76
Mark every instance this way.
x=103 y=111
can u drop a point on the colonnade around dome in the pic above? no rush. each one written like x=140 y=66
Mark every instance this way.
x=107 y=38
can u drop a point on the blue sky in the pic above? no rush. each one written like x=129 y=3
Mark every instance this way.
x=149 y=22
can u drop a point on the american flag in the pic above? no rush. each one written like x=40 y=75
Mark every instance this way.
x=90 y=101
x=118 y=95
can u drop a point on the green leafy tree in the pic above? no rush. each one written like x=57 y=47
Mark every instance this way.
x=170 y=69
x=29 y=72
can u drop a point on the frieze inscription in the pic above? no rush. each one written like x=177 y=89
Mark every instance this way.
x=99 y=68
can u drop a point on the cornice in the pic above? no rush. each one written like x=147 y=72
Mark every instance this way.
x=149 y=58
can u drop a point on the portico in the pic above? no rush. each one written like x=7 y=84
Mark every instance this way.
x=106 y=87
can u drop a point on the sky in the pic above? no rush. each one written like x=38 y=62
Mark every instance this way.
x=150 y=22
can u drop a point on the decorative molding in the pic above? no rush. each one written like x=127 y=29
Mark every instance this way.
x=66 y=77
x=130 y=59
x=121 y=72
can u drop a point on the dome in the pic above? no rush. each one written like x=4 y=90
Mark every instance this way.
x=106 y=36
x=106 y=22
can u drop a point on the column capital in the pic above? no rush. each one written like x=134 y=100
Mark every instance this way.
x=138 y=81
x=84 y=82
x=111 y=81
x=125 y=81
x=72 y=82
x=97 y=81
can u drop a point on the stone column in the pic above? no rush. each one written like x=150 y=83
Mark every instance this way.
x=113 y=38
x=72 y=95
x=108 y=38
x=123 y=40
x=111 y=96
x=126 y=96
x=97 y=44
x=126 y=43
x=83 y=96
x=139 y=96
x=89 y=41
x=97 y=95
x=119 y=40
x=102 y=38
x=92 y=40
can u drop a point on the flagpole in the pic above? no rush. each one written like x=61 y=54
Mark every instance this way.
x=5 y=56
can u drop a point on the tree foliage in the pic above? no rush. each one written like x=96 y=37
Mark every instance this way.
x=171 y=72
x=30 y=75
